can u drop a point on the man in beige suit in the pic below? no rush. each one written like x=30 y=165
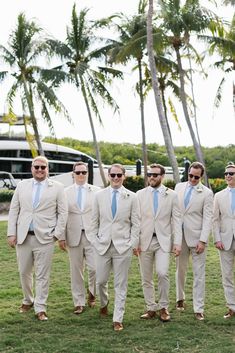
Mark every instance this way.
x=37 y=217
x=80 y=198
x=160 y=233
x=196 y=203
x=224 y=236
x=114 y=234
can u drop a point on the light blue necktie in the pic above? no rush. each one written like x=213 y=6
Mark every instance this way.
x=37 y=195
x=155 y=201
x=188 y=196
x=233 y=199
x=114 y=203
x=79 y=197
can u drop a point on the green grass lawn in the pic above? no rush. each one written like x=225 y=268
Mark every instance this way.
x=69 y=333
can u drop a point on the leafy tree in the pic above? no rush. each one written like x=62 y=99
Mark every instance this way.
x=26 y=46
x=80 y=53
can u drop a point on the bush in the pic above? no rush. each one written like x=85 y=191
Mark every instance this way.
x=217 y=184
x=134 y=183
x=6 y=195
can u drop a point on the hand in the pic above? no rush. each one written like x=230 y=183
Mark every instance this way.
x=62 y=245
x=219 y=245
x=200 y=247
x=11 y=241
x=136 y=251
x=176 y=249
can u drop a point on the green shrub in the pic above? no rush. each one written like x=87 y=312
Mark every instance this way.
x=217 y=184
x=6 y=195
x=134 y=183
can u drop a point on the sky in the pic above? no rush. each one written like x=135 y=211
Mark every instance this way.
x=216 y=127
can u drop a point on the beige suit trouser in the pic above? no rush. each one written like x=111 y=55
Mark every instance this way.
x=78 y=257
x=32 y=254
x=198 y=266
x=154 y=255
x=227 y=268
x=120 y=263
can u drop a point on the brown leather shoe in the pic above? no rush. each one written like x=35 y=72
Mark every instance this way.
x=25 y=307
x=148 y=315
x=91 y=300
x=199 y=316
x=117 y=326
x=42 y=316
x=229 y=314
x=104 y=311
x=78 y=309
x=164 y=315
x=180 y=305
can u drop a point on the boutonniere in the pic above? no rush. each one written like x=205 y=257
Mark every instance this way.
x=89 y=188
x=125 y=195
x=199 y=188
x=166 y=192
x=50 y=183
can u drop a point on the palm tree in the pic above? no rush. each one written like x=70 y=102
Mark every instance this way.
x=222 y=43
x=25 y=47
x=179 y=21
x=80 y=57
x=157 y=95
x=132 y=45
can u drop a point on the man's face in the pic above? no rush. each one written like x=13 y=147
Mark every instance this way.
x=154 y=177
x=194 y=176
x=116 y=177
x=229 y=175
x=39 y=170
x=80 y=174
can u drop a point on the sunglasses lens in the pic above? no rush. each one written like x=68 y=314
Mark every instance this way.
x=196 y=177
x=82 y=172
x=229 y=173
x=43 y=167
x=155 y=175
x=113 y=175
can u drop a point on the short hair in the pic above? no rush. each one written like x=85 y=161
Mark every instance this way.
x=157 y=165
x=230 y=166
x=197 y=165
x=40 y=158
x=117 y=165
x=79 y=163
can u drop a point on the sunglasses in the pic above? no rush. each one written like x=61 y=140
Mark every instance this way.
x=84 y=172
x=196 y=177
x=43 y=167
x=229 y=173
x=155 y=175
x=113 y=175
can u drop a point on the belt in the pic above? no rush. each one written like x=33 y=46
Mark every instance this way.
x=154 y=234
x=31 y=232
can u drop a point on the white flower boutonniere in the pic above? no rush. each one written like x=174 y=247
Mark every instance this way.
x=199 y=188
x=166 y=192
x=125 y=195
x=50 y=183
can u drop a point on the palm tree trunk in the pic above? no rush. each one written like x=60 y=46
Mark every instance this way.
x=97 y=150
x=144 y=147
x=196 y=145
x=157 y=95
x=33 y=119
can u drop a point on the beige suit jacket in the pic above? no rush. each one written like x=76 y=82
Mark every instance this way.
x=197 y=217
x=166 y=223
x=123 y=229
x=223 y=219
x=49 y=217
x=76 y=217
